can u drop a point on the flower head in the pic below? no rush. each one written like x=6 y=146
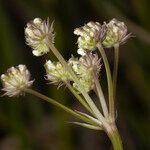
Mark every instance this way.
x=89 y=35
x=55 y=72
x=15 y=80
x=116 y=33
x=84 y=68
x=38 y=34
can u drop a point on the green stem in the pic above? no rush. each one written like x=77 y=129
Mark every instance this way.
x=100 y=95
x=74 y=77
x=52 y=101
x=115 y=139
x=109 y=81
x=115 y=70
x=79 y=98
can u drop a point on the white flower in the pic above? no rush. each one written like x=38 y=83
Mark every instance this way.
x=38 y=34
x=56 y=73
x=116 y=33
x=15 y=80
x=89 y=35
x=81 y=52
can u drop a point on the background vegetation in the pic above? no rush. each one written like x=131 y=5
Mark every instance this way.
x=26 y=123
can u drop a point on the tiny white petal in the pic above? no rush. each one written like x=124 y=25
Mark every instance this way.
x=37 y=20
x=81 y=52
x=36 y=53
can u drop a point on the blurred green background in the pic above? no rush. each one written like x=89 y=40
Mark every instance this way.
x=27 y=123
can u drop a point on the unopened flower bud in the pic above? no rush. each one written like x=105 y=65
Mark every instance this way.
x=116 y=33
x=89 y=35
x=55 y=72
x=38 y=34
x=15 y=80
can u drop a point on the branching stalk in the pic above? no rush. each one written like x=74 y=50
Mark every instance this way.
x=89 y=126
x=109 y=80
x=52 y=101
x=100 y=95
x=84 y=93
x=115 y=70
x=79 y=98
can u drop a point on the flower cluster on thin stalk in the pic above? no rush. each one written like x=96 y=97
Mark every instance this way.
x=80 y=74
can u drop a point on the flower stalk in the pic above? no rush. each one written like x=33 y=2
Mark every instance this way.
x=115 y=70
x=100 y=95
x=79 y=98
x=109 y=81
x=59 y=105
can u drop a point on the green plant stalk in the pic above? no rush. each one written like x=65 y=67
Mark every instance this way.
x=113 y=134
x=79 y=98
x=115 y=70
x=114 y=137
x=87 y=126
x=52 y=101
x=84 y=93
x=100 y=95
x=109 y=81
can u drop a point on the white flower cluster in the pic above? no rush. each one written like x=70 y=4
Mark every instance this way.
x=56 y=73
x=89 y=35
x=84 y=68
x=38 y=34
x=15 y=80
x=116 y=33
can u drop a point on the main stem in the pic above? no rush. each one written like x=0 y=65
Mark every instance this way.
x=114 y=137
